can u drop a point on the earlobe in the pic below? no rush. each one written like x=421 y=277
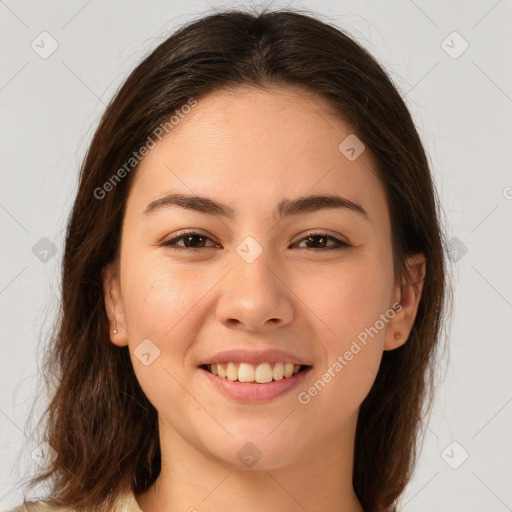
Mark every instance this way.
x=407 y=295
x=113 y=307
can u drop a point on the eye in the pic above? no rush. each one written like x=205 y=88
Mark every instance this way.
x=192 y=240
x=195 y=240
x=323 y=238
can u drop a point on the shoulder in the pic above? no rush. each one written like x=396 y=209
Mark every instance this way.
x=39 y=506
x=125 y=502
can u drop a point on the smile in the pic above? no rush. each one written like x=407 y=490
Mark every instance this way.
x=246 y=382
x=261 y=373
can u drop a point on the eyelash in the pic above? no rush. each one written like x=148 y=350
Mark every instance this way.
x=340 y=244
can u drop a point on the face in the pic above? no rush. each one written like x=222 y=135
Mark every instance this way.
x=309 y=280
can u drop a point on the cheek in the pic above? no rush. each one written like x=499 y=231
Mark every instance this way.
x=352 y=307
x=353 y=347
x=350 y=298
x=161 y=304
x=159 y=298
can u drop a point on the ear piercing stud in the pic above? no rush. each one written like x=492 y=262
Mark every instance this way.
x=114 y=331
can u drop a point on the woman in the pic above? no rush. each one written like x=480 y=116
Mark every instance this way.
x=253 y=282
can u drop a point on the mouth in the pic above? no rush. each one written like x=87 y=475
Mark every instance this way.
x=255 y=384
x=262 y=373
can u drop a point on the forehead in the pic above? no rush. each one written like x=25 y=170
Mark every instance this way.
x=250 y=147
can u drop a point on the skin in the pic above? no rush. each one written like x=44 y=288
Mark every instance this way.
x=250 y=149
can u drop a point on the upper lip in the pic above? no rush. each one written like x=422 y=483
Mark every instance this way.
x=254 y=357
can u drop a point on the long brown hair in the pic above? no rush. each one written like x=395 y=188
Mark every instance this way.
x=100 y=423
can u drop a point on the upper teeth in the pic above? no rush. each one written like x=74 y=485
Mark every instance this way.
x=261 y=373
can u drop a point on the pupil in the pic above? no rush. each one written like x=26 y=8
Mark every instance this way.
x=191 y=237
x=317 y=237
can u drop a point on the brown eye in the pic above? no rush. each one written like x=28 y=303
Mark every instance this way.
x=192 y=240
x=319 y=241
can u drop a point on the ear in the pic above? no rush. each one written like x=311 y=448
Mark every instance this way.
x=407 y=296
x=114 y=306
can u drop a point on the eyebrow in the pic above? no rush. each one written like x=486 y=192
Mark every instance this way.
x=286 y=208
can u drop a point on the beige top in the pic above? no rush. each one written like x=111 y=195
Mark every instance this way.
x=125 y=503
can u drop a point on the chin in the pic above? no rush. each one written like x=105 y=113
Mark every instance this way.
x=254 y=452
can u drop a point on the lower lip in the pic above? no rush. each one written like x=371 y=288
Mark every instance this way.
x=252 y=391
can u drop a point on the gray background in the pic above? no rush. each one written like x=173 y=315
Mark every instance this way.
x=462 y=106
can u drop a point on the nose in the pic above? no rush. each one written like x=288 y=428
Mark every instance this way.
x=255 y=297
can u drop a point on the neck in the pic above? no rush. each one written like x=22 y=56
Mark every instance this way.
x=194 y=481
